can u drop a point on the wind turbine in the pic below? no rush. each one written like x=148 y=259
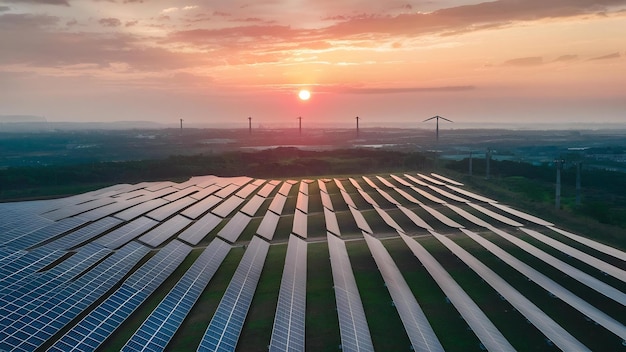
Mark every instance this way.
x=437 y=118
x=357 y=125
x=181 y=124
x=249 y=125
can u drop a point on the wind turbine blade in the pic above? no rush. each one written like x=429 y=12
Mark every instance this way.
x=445 y=119
x=434 y=117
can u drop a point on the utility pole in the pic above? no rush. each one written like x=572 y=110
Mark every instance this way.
x=300 y=124
x=578 y=189
x=357 y=126
x=557 y=196
x=249 y=125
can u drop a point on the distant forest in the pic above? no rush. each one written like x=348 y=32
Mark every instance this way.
x=604 y=198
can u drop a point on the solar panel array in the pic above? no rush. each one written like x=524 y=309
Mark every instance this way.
x=225 y=326
x=288 y=332
x=70 y=273
x=157 y=330
x=355 y=334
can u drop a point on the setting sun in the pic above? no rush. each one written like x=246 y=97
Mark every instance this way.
x=304 y=94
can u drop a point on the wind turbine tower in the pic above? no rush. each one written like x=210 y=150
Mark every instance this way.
x=437 y=128
x=181 y=124
x=249 y=125
x=300 y=124
x=557 y=196
x=357 y=126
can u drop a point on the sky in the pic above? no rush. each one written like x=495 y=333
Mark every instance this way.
x=389 y=62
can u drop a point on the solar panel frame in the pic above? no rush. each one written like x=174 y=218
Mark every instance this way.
x=126 y=233
x=300 y=223
x=268 y=225
x=227 y=206
x=278 y=203
x=201 y=207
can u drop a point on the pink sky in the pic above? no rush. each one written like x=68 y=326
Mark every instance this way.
x=216 y=62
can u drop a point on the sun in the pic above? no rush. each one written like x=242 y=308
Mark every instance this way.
x=304 y=94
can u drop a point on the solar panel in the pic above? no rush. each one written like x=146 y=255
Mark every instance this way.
x=199 y=229
x=495 y=215
x=416 y=180
x=31 y=285
x=100 y=323
x=339 y=184
x=489 y=335
x=385 y=182
x=157 y=330
x=227 y=191
x=559 y=291
x=369 y=182
x=126 y=233
x=227 y=206
x=246 y=191
x=258 y=182
x=45 y=233
x=559 y=336
x=326 y=202
x=389 y=220
x=24 y=330
x=591 y=243
x=201 y=207
x=203 y=193
x=401 y=181
x=266 y=190
x=304 y=188
x=225 y=326
x=439 y=216
x=160 y=185
x=107 y=210
x=69 y=211
x=431 y=180
x=331 y=222
x=268 y=225
x=368 y=198
x=300 y=223
x=170 y=209
x=288 y=330
x=253 y=205
x=449 y=195
x=322 y=185
x=354 y=183
x=140 y=209
x=164 y=231
x=468 y=216
x=568 y=269
x=388 y=197
x=181 y=194
x=428 y=196
x=278 y=203
x=84 y=234
x=418 y=329
x=360 y=220
x=285 y=188
x=348 y=199
x=302 y=202
x=446 y=179
x=234 y=227
x=522 y=215
x=355 y=335
x=471 y=195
